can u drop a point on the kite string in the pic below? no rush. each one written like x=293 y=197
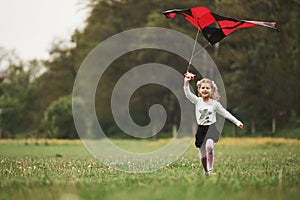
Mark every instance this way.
x=201 y=50
x=193 y=55
x=190 y=62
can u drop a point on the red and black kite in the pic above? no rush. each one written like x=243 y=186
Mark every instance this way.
x=215 y=27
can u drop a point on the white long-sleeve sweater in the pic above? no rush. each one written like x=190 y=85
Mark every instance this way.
x=206 y=112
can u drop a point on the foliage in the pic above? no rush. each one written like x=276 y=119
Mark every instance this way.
x=18 y=97
x=259 y=67
x=254 y=63
x=58 y=79
x=59 y=118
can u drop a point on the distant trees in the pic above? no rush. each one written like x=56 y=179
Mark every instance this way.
x=260 y=68
x=19 y=102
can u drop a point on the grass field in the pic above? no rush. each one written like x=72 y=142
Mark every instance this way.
x=245 y=168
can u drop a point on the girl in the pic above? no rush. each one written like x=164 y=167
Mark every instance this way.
x=206 y=107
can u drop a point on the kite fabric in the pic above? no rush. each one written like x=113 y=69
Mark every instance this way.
x=215 y=27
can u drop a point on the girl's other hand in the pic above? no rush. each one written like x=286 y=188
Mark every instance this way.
x=241 y=126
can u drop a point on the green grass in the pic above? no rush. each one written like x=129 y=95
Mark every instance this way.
x=248 y=168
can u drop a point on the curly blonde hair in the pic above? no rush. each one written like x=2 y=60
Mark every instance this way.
x=214 y=94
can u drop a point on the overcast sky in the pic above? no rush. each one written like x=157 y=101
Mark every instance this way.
x=30 y=26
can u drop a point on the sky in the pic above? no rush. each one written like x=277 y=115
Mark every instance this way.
x=30 y=26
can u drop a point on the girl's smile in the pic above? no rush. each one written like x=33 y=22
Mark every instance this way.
x=205 y=90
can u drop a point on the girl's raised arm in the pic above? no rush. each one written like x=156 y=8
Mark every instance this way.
x=186 y=88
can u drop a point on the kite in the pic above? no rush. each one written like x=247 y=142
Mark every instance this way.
x=215 y=27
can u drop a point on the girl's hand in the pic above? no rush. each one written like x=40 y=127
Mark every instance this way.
x=241 y=126
x=189 y=75
x=186 y=81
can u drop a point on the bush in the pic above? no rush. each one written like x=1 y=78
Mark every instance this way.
x=60 y=119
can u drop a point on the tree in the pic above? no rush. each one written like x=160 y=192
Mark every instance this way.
x=59 y=118
x=59 y=75
x=253 y=63
x=18 y=99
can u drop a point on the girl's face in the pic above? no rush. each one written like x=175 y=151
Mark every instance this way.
x=205 y=90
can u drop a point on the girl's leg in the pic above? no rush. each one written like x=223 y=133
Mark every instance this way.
x=209 y=147
x=202 y=156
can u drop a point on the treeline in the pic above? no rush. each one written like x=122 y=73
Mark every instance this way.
x=260 y=69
